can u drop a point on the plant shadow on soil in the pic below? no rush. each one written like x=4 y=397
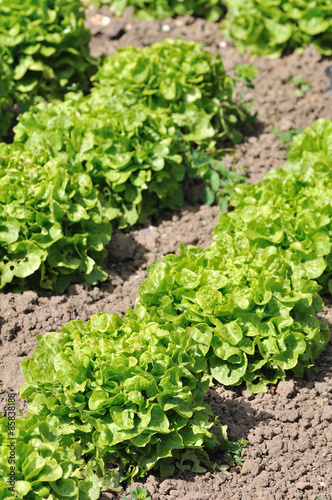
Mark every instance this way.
x=136 y=248
x=239 y=417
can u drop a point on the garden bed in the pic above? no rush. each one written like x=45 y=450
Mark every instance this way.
x=289 y=454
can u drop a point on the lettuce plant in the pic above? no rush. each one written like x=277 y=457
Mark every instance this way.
x=47 y=44
x=48 y=462
x=131 y=391
x=180 y=81
x=52 y=224
x=291 y=208
x=149 y=9
x=127 y=151
x=272 y=27
x=261 y=314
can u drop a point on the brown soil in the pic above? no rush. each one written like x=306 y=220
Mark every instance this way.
x=289 y=455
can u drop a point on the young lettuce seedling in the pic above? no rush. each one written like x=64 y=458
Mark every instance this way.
x=138 y=494
x=247 y=73
x=301 y=85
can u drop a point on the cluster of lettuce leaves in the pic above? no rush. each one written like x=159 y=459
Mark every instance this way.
x=160 y=9
x=53 y=227
x=118 y=397
x=6 y=89
x=178 y=80
x=256 y=285
x=130 y=388
x=291 y=209
x=48 y=463
x=260 y=313
x=126 y=150
x=125 y=395
x=47 y=46
x=273 y=27
x=115 y=156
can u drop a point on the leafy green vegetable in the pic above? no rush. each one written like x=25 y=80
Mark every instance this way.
x=254 y=286
x=247 y=73
x=131 y=391
x=47 y=44
x=177 y=79
x=272 y=27
x=260 y=313
x=47 y=462
x=53 y=228
x=149 y=9
x=301 y=85
x=127 y=151
x=291 y=208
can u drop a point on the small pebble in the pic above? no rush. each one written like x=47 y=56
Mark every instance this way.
x=303 y=485
x=105 y=20
x=147 y=230
x=165 y=27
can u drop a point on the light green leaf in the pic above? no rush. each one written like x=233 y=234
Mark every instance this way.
x=65 y=487
x=227 y=373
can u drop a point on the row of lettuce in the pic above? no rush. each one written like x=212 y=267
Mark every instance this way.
x=111 y=159
x=256 y=285
x=44 y=46
x=114 y=398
